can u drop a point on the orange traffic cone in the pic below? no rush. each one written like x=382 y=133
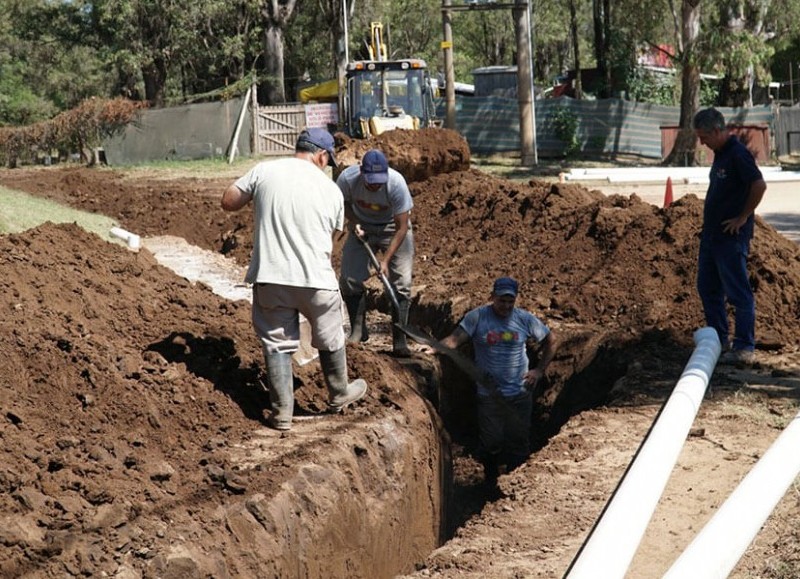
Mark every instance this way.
x=668 y=193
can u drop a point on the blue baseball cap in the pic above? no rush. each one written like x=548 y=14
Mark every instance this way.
x=321 y=139
x=375 y=167
x=505 y=286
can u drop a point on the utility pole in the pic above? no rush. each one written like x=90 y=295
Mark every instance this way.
x=342 y=58
x=449 y=72
x=523 y=28
x=522 y=25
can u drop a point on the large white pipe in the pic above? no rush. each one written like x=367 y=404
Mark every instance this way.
x=693 y=175
x=721 y=543
x=613 y=541
x=769 y=177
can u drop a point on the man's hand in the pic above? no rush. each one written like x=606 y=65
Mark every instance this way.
x=733 y=226
x=531 y=377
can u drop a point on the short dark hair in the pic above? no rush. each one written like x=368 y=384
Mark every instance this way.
x=306 y=147
x=708 y=120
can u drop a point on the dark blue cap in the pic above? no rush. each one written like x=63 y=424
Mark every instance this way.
x=320 y=138
x=375 y=167
x=505 y=286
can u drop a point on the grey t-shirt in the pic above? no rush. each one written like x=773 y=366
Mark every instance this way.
x=296 y=209
x=375 y=207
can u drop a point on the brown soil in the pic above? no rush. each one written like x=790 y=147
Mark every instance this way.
x=127 y=389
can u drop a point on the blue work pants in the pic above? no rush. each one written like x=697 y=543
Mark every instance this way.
x=722 y=278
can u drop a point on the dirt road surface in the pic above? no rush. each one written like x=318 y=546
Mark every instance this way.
x=134 y=439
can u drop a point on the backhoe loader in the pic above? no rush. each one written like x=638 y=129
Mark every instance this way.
x=384 y=94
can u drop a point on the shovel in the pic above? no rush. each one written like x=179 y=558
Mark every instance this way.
x=377 y=265
x=464 y=363
x=460 y=360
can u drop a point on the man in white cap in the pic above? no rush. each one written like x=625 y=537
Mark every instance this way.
x=296 y=210
x=378 y=208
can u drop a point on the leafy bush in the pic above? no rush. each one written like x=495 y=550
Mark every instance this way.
x=565 y=124
x=77 y=130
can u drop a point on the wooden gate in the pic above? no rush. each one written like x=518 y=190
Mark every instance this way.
x=277 y=128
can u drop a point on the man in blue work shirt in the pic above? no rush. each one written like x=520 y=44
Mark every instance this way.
x=735 y=190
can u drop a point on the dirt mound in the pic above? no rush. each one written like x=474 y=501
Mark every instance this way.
x=418 y=155
x=585 y=258
x=124 y=388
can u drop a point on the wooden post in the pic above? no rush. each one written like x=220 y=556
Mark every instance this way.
x=450 y=75
x=524 y=84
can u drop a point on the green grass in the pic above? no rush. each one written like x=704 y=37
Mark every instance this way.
x=20 y=211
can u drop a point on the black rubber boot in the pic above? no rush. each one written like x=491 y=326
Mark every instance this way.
x=281 y=389
x=491 y=470
x=340 y=391
x=399 y=338
x=357 y=312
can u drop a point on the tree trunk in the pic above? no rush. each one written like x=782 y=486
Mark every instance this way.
x=600 y=48
x=273 y=65
x=155 y=77
x=573 y=25
x=276 y=15
x=685 y=148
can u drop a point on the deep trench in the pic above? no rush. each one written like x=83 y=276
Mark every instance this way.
x=581 y=377
x=586 y=368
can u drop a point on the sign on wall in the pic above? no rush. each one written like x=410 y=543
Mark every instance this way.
x=321 y=115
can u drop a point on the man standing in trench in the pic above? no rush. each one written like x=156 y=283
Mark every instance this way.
x=736 y=188
x=296 y=209
x=500 y=334
x=378 y=208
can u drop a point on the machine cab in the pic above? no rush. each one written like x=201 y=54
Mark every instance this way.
x=385 y=95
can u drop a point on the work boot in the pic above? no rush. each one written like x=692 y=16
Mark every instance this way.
x=341 y=393
x=399 y=338
x=738 y=358
x=281 y=389
x=491 y=469
x=357 y=311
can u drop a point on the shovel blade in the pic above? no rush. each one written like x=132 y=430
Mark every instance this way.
x=460 y=360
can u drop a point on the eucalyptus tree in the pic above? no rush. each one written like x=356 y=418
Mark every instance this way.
x=276 y=15
x=687 y=24
x=737 y=34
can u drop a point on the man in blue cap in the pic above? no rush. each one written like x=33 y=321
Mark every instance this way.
x=296 y=208
x=378 y=208
x=500 y=334
x=735 y=190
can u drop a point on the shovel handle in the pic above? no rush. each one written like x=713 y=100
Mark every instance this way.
x=377 y=265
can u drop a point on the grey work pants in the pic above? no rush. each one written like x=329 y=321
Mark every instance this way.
x=356 y=263
x=505 y=424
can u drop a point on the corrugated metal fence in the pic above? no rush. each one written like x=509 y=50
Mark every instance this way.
x=490 y=125
x=787 y=131
x=611 y=126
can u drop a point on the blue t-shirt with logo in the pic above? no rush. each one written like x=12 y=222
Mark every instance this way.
x=733 y=172
x=499 y=345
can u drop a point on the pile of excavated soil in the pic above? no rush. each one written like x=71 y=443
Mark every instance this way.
x=418 y=155
x=124 y=385
x=125 y=390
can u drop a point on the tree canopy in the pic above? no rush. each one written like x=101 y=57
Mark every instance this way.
x=55 y=53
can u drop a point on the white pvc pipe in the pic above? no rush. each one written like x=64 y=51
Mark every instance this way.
x=720 y=544
x=133 y=240
x=613 y=542
x=645 y=174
